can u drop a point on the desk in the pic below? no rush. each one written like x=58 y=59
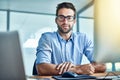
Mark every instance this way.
x=96 y=74
x=104 y=74
x=41 y=77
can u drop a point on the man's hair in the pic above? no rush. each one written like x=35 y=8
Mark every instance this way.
x=65 y=5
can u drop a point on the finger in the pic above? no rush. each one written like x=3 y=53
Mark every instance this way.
x=92 y=68
x=90 y=72
x=70 y=66
x=67 y=66
x=58 y=66
x=61 y=69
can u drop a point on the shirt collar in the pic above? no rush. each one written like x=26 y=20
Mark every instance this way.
x=71 y=37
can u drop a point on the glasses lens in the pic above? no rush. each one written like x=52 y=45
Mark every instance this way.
x=62 y=18
x=70 y=18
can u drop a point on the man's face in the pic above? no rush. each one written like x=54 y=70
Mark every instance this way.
x=65 y=20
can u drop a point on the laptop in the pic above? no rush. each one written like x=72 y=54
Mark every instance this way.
x=11 y=62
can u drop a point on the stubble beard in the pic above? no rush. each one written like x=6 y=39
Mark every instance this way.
x=63 y=31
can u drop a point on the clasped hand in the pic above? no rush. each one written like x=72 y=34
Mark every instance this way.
x=79 y=69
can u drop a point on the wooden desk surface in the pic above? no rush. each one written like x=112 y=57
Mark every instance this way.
x=104 y=74
x=42 y=77
x=96 y=74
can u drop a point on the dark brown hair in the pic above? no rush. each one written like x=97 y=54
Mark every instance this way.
x=65 y=5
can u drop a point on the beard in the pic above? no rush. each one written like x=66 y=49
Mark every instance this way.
x=63 y=30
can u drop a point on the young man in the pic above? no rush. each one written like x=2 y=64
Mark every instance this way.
x=63 y=50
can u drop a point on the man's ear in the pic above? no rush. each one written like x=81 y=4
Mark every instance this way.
x=56 y=20
x=74 y=21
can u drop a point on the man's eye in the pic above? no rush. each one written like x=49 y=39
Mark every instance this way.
x=69 y=17
x=61 y=17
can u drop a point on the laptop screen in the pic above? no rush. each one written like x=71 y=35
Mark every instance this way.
x=11 y=62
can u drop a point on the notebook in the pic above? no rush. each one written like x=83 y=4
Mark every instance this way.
x=11 y=62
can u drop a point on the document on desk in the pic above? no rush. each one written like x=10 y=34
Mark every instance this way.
x=110 y=78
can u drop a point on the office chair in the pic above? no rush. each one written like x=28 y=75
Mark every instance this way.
x=34 y=69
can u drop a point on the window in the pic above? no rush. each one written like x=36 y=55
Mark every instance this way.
x=3 y=20
x=30 y=27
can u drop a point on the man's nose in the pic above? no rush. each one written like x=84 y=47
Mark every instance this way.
x=65 y=20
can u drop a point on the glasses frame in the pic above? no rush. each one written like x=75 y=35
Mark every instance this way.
x=61 y=18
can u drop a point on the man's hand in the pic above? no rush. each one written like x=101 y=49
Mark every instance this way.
x=63 y=67
x=85 y=69
x=99 y=67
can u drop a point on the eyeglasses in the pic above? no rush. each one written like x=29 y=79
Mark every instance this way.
x=62 y=18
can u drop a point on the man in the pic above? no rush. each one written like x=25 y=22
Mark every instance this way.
x=62 y=51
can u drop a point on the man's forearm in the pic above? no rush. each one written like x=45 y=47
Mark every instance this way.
x=99 y=67
x=83 y=69
x=47 y=69
x=51 y=69
x=89 y=68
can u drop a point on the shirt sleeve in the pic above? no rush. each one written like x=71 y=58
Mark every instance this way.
x=88 y=49
x=43 y=54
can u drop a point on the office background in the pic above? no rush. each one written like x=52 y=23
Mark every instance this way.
x=33 y=17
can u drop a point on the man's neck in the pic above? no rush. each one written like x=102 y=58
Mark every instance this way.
x=65 y=36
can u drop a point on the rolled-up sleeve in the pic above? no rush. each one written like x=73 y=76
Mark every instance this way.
x=88 y=49
x=43 y=54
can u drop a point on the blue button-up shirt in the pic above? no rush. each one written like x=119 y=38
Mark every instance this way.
x=52 y=48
